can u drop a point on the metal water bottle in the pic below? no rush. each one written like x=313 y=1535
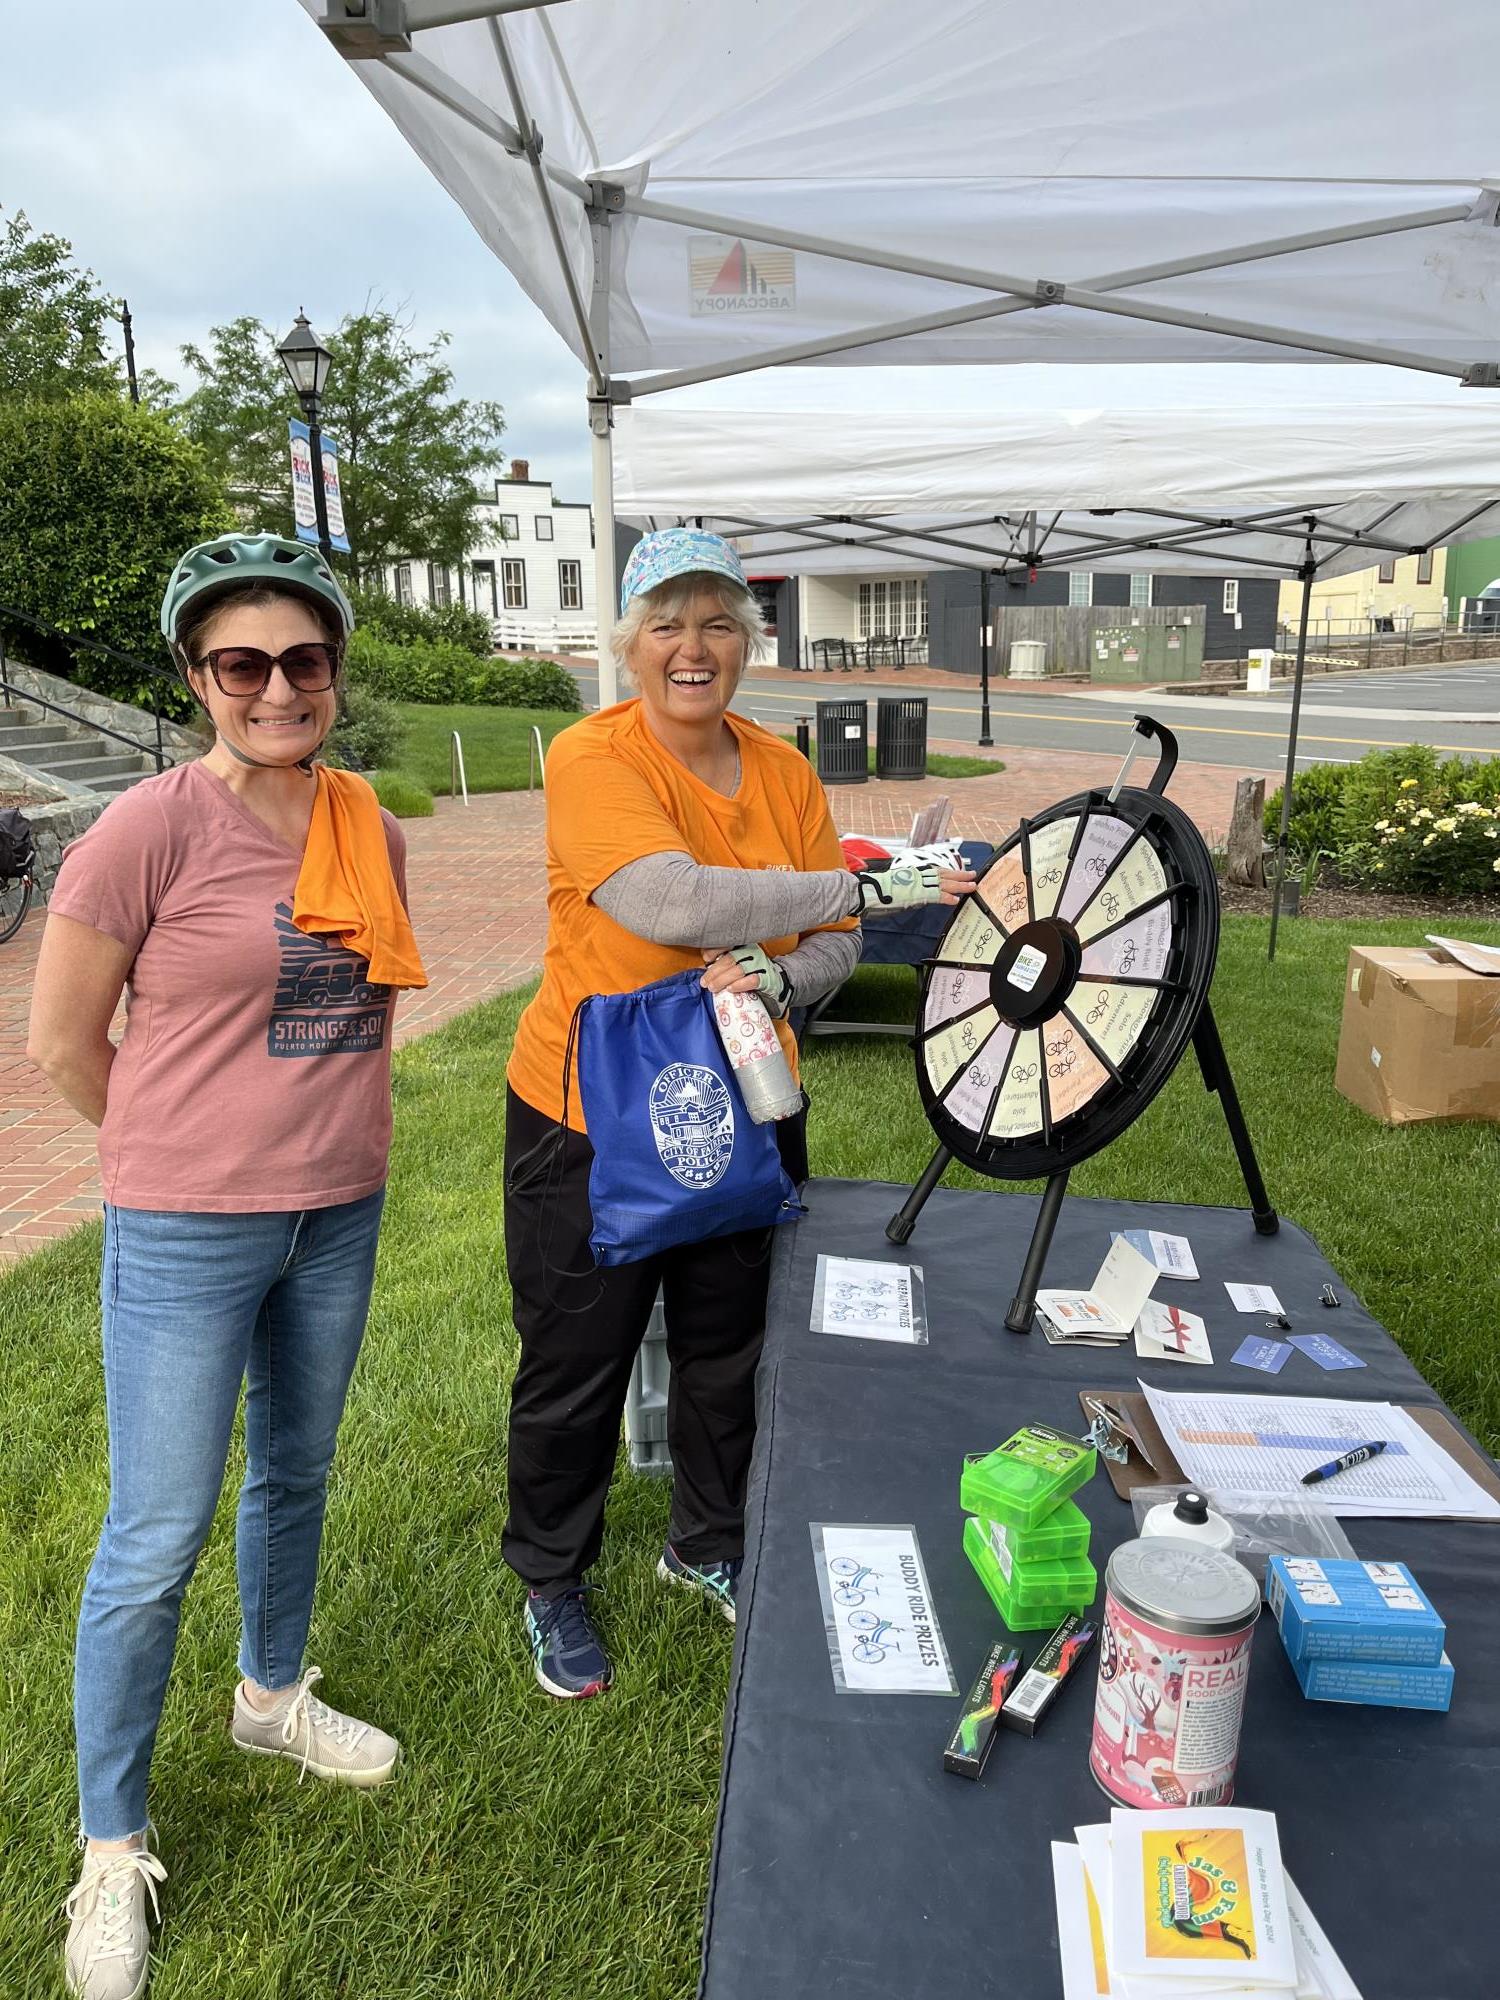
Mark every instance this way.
x=760 y=1066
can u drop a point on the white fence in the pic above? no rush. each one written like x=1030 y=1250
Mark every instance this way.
x=544 y=635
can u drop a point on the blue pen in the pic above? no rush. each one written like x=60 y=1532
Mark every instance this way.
x=1358 y=1456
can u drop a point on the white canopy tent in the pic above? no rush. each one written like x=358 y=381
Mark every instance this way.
x=1223 y=470
x=691 y=189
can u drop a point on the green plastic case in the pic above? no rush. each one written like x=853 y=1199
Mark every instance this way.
x=1035 y=1595
x=1062 y=1533
x=1022 y=1480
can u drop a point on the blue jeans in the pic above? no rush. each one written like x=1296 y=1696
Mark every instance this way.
x=192 y=1305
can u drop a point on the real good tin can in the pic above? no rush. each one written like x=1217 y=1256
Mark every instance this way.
x=1174 y=1659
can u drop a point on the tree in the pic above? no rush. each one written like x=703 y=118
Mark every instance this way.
x=97 y=500
x=53 y=318
x=410 y=451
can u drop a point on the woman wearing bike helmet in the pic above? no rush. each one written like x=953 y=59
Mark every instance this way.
x=250 y=905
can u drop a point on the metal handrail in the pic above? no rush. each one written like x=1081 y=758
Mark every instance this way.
x=25 y=696
x=456 y=774
x=536 y=760
x=76 y=639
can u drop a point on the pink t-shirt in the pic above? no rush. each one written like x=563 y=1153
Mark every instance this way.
x=255 y=1069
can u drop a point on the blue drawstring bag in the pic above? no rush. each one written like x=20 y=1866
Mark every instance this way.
x=676 y=1156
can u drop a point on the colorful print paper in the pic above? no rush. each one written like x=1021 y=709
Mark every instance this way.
x=1199 y=1894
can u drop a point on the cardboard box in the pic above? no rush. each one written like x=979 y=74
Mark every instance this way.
x=1373 y=1685
x=1338 y=1609
x=1420 y=1038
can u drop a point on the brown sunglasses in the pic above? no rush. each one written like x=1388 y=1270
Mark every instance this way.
x=246 y=670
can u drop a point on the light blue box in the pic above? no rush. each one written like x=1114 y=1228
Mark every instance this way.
x=1356 y=1611
x=1377 y=1684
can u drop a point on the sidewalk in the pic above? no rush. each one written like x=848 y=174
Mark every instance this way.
x=478 y=895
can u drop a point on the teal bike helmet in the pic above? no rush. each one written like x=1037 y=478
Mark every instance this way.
x=233 y=562
x=230 y=562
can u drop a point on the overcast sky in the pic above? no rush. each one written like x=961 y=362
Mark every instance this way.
x=208 y=158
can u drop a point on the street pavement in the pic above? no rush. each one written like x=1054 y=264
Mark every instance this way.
x=1453 y=708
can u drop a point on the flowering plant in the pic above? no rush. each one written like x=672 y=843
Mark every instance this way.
x=1448 y=849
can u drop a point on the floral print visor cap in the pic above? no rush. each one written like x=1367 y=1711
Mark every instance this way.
x=670 y=552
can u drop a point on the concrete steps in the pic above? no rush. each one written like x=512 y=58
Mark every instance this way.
x=52 y=747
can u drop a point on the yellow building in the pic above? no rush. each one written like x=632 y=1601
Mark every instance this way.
x=1401 y=588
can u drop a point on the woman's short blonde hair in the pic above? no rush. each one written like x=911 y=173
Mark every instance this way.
x=671 y=599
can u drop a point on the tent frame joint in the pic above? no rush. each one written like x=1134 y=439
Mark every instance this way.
x=1481 y=375
x=606 y=197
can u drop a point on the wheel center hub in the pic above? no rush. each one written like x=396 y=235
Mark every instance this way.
x=1035 y=972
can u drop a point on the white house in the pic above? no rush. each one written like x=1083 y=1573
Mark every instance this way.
x=531 y=568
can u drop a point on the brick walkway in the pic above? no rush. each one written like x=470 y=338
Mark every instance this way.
x=476 y=883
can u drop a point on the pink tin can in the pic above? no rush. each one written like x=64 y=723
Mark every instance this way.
x=1174 y=1660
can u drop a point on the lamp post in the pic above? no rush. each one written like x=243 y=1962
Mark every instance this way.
x=307 y=362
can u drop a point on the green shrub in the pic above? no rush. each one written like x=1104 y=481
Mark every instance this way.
x=97 y=500
x=368 y=733
x=1373 y=785
x=412 y=624
x=402 y=795
x=1433 y=850
x=447 y=674
x=1317 y=796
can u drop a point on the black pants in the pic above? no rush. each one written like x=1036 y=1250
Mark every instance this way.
x=580 y=1327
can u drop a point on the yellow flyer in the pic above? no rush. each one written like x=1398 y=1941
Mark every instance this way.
x=1199 y=1895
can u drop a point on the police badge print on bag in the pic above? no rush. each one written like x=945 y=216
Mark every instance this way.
x=692 y=1122
x=324 y=1004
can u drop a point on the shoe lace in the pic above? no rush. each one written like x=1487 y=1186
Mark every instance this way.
x=566 y=1617
x=315 y=1717
x=113 y=1876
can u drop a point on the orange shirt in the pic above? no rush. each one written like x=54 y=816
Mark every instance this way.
x=614 y=795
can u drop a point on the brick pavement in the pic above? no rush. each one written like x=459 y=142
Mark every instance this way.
x=476 y=882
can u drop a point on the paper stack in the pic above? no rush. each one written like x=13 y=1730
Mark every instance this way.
x=1107 y=1312
x=1187 y=1906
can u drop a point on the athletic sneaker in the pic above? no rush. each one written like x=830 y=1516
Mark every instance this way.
x=566 y=1649
x=109 y=1939
x=718 y=1582
x=316 y=1737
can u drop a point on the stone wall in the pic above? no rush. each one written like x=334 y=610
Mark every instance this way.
x=56 y=815
x=137 y=723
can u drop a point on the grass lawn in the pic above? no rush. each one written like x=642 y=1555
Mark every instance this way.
x=938 y=766
x=497 y=747
x=529 y=1849
x=496 y=744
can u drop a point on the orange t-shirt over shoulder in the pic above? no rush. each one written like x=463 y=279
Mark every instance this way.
x=614 y=795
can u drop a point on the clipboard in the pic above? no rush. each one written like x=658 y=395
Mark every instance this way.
x=1135 y=1474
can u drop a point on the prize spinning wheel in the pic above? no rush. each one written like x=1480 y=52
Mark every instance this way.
x=1065 y=991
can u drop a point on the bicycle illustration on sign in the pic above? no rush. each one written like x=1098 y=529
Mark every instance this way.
x=874 y=1641
x=855 y=1579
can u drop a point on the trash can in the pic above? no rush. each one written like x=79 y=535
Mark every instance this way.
x=901 y=736
x=844 y=742
x=1028 y=660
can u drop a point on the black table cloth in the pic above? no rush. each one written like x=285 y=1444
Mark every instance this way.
x=846 y=1861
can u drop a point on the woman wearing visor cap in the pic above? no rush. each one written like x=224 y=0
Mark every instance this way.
x=679 y=834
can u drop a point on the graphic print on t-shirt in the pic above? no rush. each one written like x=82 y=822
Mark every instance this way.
x=324 y=1003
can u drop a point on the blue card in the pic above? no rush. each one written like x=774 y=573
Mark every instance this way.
x=1269 y=1356
x=1327 y=1352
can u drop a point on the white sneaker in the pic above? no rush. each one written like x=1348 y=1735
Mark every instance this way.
x=109 y=1939
x=316 y=1736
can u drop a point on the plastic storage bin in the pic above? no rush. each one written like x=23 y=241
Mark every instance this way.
x=1022 y=1480
x=1034 y=1595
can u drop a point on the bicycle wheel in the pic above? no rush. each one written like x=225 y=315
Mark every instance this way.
x=15 y=901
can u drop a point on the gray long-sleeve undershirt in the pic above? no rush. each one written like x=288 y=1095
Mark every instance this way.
x=672 y=899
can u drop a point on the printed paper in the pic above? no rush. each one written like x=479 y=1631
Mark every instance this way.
x=883 y=1634
x=1167 y=1333
x=1172 y=1255
x=869 y=1299
x=1253 y=1298
x=1269 y=1356
x=1199 y=1895
x=1325 y=1350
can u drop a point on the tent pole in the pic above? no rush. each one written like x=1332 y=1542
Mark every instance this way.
x=602 y=442
x=1309 y=571
x=985 y=738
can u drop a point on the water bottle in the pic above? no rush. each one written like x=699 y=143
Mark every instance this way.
x=756 y=1057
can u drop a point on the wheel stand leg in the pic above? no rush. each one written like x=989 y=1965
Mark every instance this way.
x=1023 y=1305
x=1214 y=1064
x=901 y=1225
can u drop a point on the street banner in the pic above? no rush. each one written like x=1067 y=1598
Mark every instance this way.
x=304 y=504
